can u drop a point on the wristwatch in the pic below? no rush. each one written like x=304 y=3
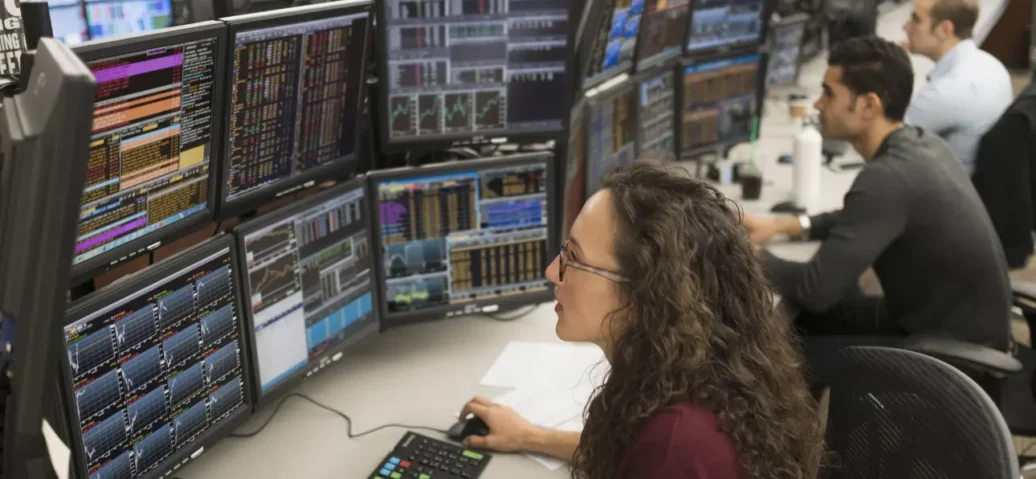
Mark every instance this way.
x=805 y=225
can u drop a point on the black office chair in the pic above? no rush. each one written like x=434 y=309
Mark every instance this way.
x=899 y=414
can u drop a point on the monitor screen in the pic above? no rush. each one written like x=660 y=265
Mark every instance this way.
x=308 y=282
x=719 y=101
x=116 y=18
x=156 y=366
x=67 y=21
x=153 y=135
x=612 y=133
x=717 y=24
x=616 y=41
x=471 y=70
x=785 y=46
x=460 y=238
x=575 y=167
x=663 y=31
x=657 y=97
x=295 y=83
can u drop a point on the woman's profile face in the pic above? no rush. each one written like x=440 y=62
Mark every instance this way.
x=587 y=288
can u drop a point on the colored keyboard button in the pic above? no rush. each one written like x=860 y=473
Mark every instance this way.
x=424 y=476
x=390 y=467
x=473 y=455
x=405 y=463
x=396 y=475
x=384 y=472
x=394 y=460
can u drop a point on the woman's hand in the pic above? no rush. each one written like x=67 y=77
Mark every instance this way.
x=508 y=432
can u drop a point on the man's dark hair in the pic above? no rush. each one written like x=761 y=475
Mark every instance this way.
x=874 y=65
x=961 y=13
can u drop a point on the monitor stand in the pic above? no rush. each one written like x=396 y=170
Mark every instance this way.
x=78 y=291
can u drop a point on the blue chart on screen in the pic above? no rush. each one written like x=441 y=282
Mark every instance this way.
x=145 y=412
x=91 y=352
x=118 y=468
x=222 y=362
x=139 y=372
x=217 y=325
x=213 y=286
x=135 y=329
x=98 y=397
x=153 y=449
x=186 y=385
x=104 y=438
x=181 y=347
x=175 y=306
x=226 y=398
x=189 y=423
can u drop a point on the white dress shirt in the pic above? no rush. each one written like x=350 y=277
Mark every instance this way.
x=967 y=91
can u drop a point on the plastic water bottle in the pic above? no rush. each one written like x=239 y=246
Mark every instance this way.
x=807 y=159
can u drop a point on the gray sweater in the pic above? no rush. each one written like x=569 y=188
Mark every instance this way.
x=914 y=215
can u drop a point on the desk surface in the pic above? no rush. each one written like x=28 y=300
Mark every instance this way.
x=419 y=375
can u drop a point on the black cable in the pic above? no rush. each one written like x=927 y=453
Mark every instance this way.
x=219 y=224
x=348 y=420
x=150 y=257
x=520 y=314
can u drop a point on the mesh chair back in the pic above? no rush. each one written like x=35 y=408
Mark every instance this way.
x=897 y=414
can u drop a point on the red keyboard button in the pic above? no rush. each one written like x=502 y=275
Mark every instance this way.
x=405 y=463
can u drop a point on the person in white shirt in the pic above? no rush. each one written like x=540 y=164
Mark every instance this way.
x=968 y=89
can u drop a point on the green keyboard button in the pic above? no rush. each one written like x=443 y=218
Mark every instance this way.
x=396 y=475
x=473 y=455
x=424 y=476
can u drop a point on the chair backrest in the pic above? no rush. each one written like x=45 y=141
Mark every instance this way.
x=899 y=414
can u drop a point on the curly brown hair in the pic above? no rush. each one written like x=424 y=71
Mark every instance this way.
x=698 y=324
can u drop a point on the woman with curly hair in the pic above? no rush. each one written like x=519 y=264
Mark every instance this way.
x=705 y=380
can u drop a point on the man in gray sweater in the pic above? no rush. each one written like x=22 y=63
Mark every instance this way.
x=912 y=214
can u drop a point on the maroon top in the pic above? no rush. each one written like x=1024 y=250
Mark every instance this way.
x=681 y=441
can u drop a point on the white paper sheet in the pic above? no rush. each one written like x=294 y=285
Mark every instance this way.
x=60 y=454
x=540 y=365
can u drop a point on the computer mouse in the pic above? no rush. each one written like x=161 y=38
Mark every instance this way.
x=474 y=426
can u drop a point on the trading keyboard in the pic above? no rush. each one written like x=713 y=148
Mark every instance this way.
x=421 y=457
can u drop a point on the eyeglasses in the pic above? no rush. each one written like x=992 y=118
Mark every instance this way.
x=566 y=261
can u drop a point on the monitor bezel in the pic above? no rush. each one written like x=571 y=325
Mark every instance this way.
x=649 y=74
x=450 y=140
x=629 y=84
x=722 y=144
x=730 y=49
x=339 y=168
x=129 y=285
x=578 y=115
x=651 y=63
x=95 y=50
x=395 y=320
x=357 y=336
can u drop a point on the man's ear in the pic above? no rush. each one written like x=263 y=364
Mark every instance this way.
x=944 y=29
x=872 y=106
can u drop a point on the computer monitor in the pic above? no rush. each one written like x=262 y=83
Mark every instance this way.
x=68 y=21
x=574 y=193
x=656 y=122
x=719 y=100
x=663 y=31
x=784 y=51
x=118 y=18
x=154 y=369
x=724 y=25
x=471 y=71
x=616 y=42
x=611 y=132
x=43 y=154
x=307 y=276
x=296 y=83
x=156 y=126
x=463 y=237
